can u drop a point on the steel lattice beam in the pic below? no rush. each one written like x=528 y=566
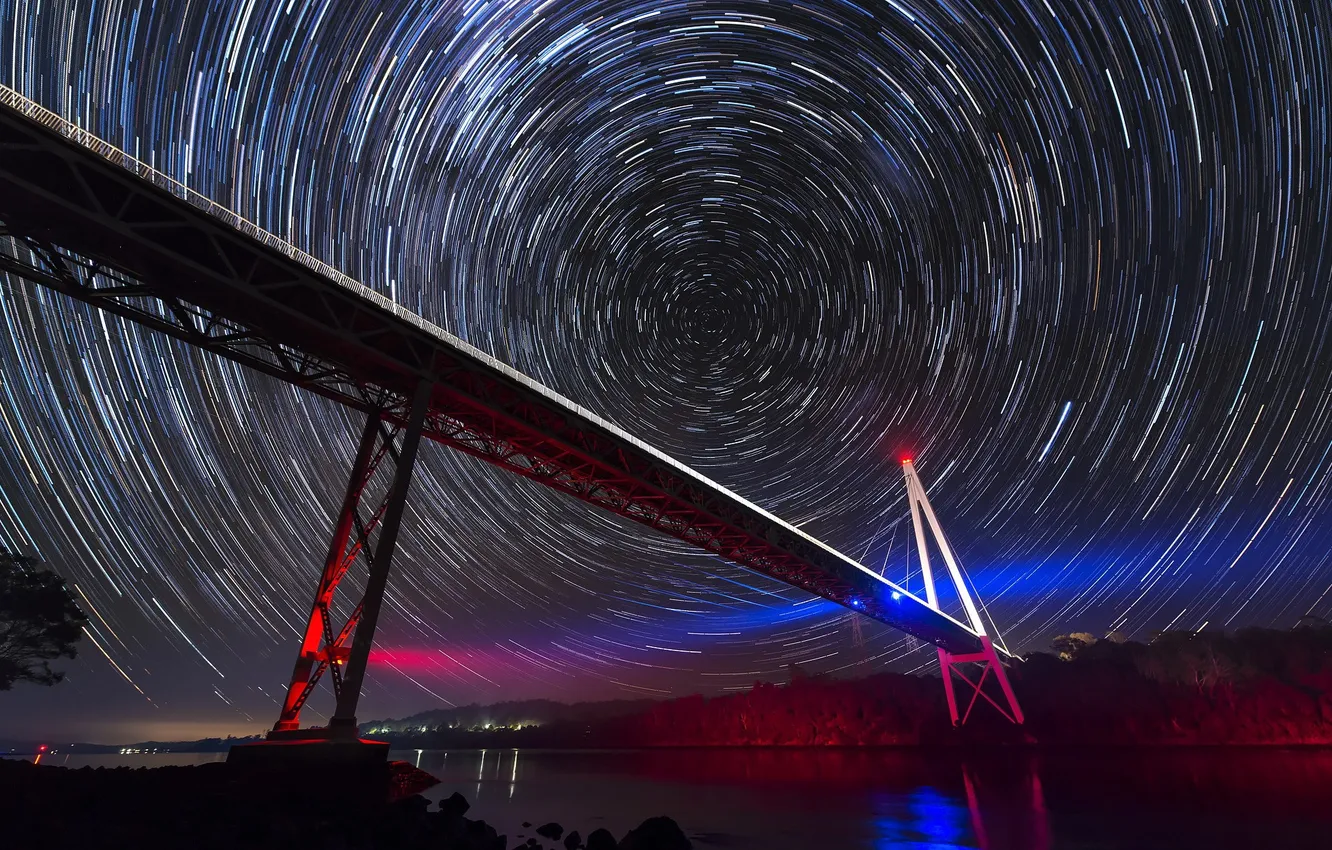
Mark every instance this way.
x=87 y=220
x=321 y=650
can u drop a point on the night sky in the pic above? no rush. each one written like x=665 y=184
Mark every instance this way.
x=1072 y=256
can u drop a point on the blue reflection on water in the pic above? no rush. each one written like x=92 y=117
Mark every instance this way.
x=922 y=820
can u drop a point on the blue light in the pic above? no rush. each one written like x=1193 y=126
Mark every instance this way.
x=856 y=603
x=924 y=819
x=896 y=596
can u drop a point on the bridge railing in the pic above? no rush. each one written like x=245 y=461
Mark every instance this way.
x=35 y=111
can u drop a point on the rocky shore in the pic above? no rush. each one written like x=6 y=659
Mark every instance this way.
x=223 y=807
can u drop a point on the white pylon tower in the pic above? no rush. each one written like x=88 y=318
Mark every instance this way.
x=948 y=662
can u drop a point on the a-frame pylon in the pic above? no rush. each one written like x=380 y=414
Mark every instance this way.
x=949 y=663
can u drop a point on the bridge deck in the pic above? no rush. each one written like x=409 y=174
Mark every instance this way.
x=83 y=217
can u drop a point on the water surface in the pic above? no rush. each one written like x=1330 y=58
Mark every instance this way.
x=810 y=799
x=879 y=799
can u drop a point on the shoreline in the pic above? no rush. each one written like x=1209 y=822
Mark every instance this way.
x=1028 y=748
x=222 y=805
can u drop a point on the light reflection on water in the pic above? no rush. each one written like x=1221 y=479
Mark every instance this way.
x=909 y=800
x=780 y=799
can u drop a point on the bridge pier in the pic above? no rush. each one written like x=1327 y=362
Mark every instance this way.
x=391 y=436
x=989 y=661
x=922 y=516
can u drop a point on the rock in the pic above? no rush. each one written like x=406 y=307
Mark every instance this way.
x=406 y=779
x=414 y=805
x=480 y=835
x=526 y=824
x=572 y=840
x=550 y=830
x=601 y=839
x=455 y=805
x=450 y=829
x=660 y=833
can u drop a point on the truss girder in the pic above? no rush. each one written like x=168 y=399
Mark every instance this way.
x=82 y=218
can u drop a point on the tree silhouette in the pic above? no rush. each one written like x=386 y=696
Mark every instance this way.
x=39 y=622
x=1069 y=646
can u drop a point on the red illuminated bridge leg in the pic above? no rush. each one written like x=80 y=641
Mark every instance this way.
x=989 y=663
x=334 y=568
x=322 y=650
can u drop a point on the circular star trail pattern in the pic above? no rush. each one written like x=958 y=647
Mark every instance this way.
x=1072 y=257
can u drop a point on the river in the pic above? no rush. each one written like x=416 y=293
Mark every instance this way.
x=881 y=799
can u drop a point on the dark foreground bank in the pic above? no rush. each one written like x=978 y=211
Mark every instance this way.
x=225 y=807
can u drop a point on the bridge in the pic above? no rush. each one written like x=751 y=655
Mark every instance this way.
x=86 y=219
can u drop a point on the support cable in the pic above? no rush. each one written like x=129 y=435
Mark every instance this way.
x=998 y=636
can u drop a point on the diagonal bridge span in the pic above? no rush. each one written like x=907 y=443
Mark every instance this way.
x=86 y=219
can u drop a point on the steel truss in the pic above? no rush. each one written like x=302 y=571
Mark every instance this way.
x=955 y=664
x=497 y=421
x=358 y=535
x=88 y=220
x=102 y=285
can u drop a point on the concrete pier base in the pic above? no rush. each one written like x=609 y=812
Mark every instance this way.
x=310 y=748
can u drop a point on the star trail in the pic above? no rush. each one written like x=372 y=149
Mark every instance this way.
x=1071 y=257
